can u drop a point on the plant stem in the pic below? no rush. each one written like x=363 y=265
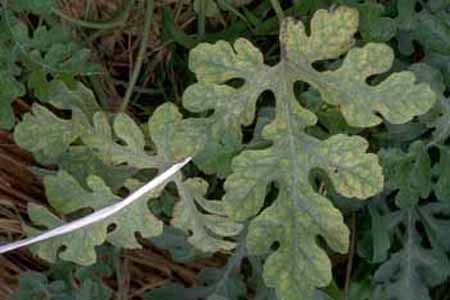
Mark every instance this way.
x=350 y=258
x=118 y=20
x=278 y=10
x=141 y=55
x=101 y=95
x=202 y=18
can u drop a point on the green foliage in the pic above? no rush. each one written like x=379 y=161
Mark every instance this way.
x=175 y=240
x=215 y=284
x=187 y=216
x=410 y=21
x=67 y=196
x=300 y=214
x=287 y=140
x=413 y=268
x=397 y=98
x=57 y=284
x=223 y=284
x=49 y=51
x=173 y=139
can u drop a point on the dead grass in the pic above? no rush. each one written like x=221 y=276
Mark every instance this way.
x=18 y=186
x=115 y=49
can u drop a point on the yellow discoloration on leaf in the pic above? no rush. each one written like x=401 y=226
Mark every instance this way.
x=299 y=214
x=398 y=98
